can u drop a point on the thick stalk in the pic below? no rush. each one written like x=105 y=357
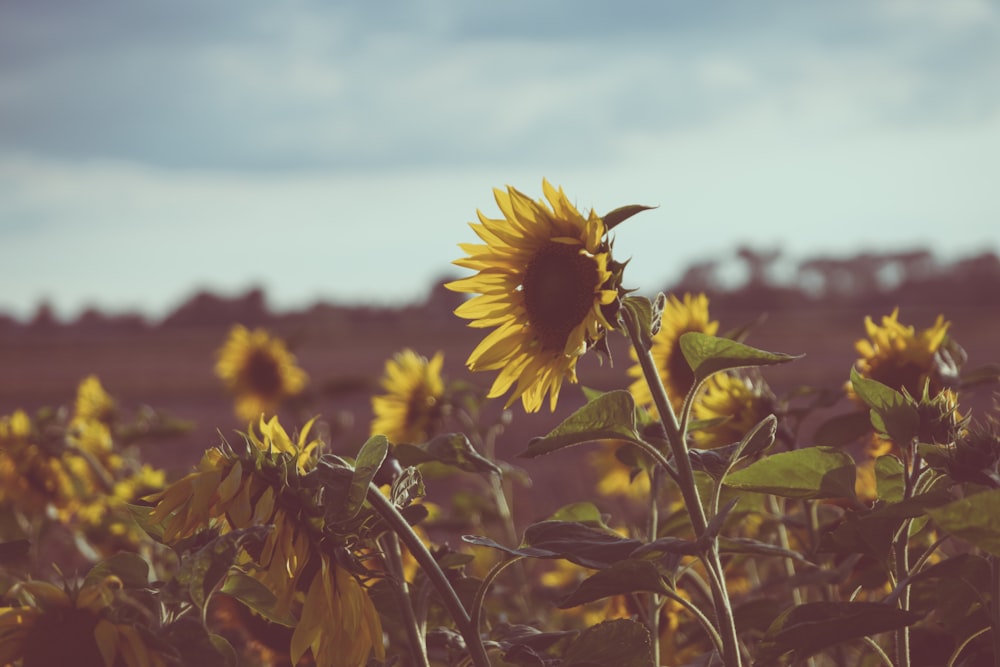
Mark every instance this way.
x=689 y=490
x=394 y=559
x=452 y=603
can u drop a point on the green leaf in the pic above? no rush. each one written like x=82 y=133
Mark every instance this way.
x=891 y=412
x=370 y=458
x=963 y=570
x=618 y=643
x=200 y=572
x=889 y=480
x=451 y=449
x=812 y=472
x=626 y=576
x=141 y=515
x=610 y=416
x=407 y=487
x=975 y=519
x=254 y=595
x=131 y=568
x=197 y=646
x=748 y=545
x=584 y=545
x=585 y=512
x=807 y=629
x=843 y=429
x=710 y=354
x=868 y=535
x=614 y=218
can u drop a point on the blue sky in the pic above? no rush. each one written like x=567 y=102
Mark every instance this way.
x=333 y=151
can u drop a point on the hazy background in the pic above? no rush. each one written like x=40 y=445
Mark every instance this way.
x=331 y=151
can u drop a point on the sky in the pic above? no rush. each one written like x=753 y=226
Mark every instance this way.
x=337 y=151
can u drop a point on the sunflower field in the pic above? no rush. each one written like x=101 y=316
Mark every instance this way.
x=720 y=522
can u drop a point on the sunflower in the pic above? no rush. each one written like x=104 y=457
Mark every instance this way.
x=898 y=356
x=37 y=480
x=259 y=370
x=679 y=317
x=545 y=279
x=92 y=402
x=50 y=626
x=411 y=408
x=736 y=399
x=264 y=485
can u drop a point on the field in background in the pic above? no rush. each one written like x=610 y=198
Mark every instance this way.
x=169 y=365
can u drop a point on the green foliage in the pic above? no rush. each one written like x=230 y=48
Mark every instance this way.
x=975 y=519
x=610 y=416
x=807 y=629
x=711 y=354
x=812 y=472
x=620 y=643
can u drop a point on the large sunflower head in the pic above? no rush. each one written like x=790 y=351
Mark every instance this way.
x=902 y=358
x=259 y=371
x=545 y=281
x=411 y=408
x=679 y=317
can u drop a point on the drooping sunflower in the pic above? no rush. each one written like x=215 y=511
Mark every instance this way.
x=545 y=277
x=679 y=317
x=898 y=356
x=259 y=370
x=50 y=626
x=737 y=399
x=264 y=486
x=411 y=408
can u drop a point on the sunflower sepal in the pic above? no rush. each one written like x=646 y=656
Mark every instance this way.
x=619 y=215
x=647 y=316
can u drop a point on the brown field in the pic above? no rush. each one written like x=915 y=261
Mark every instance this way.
x=170 y=365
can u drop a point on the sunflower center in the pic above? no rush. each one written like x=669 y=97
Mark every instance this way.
x=63 y=637
x=559 y=285
x=422 y=411
x=262 y=374
x=903 y=373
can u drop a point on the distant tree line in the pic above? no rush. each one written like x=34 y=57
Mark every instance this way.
x=866 y=280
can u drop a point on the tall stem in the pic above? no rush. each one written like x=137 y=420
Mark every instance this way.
x=398 y=524
x=689 y=490
x=418 y=645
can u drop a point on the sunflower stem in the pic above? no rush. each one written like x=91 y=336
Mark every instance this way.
x=459 y=614
x=689 y=490
x=652 y=532
x=394 y=558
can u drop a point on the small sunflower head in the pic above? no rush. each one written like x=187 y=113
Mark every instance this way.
x=734 y=403
x=413 y=405
x=902 y=358
x=93 y=403
x=547 y=284
x=258 y=369
x=679 y=317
